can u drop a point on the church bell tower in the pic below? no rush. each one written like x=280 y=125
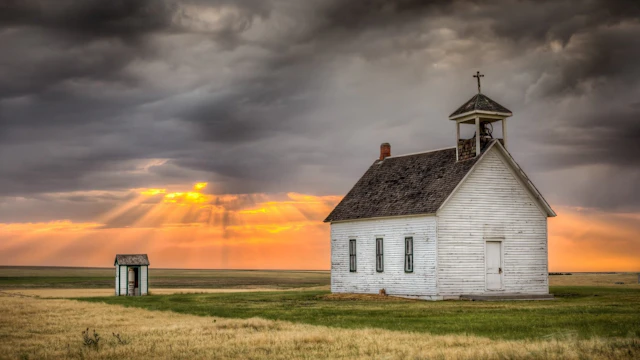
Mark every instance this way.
x=481 y=112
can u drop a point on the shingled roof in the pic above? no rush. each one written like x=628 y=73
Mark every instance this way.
x=480 y=102
x=403 y=185
x=132 y=259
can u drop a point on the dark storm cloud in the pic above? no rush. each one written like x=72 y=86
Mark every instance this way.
x=601 y=68
x=262 y=96
x=360 y=15
x=611 y=139
x=123 y=19
x=270 y=102
x=68 y=93
x=53 y=41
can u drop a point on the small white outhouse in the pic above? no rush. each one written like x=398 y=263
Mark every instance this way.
x=132 y=274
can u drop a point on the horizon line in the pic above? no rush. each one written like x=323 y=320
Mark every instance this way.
x=220 y=269
x=158 y=268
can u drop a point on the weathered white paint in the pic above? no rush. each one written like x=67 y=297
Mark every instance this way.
x=117 y=280
x=126 y=273
x=495 y=210
x=469 y=116
x=492 y=204
x=493 y=255
x=421 y=282
x=123 y=280
x=477 y=136
x=144 y=280
x=457 y=141
x=504 y=133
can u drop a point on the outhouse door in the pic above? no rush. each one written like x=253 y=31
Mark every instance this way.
x=494 y=265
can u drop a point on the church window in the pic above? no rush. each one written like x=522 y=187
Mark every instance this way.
x=379 y=255
x=408 y=254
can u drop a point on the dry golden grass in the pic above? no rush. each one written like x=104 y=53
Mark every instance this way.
x=587 y=279
x=78 y=293
x=51 y=328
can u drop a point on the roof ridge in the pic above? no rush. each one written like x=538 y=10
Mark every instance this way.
x=420 y=152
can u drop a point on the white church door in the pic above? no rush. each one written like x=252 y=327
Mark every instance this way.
x=494 y=265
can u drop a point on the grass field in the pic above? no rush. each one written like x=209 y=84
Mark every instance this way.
x=32 y=328
x=230 y=318
x=15 y=277
x=584 y=312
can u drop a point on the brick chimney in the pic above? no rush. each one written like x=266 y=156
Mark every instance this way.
x=385 y=150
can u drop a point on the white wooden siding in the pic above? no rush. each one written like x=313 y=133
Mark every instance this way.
x=143 y=280
x=492 y=204
x=123 y=280
x=117 y=279
x=421 y=282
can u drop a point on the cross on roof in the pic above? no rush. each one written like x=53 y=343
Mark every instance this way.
x=478 y=76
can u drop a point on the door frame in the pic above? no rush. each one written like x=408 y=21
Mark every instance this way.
x=498 y=240
x=139 y=279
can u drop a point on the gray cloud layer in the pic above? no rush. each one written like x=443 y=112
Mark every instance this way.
x=273 y=96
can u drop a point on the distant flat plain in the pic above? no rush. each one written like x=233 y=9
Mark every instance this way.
x=34 y=277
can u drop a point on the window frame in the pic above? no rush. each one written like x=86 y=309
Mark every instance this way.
x=353 y=260
x=379 y=254
x=408 y=254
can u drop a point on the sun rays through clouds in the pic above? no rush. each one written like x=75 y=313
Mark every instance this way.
x=184 y=227
x=190 y=226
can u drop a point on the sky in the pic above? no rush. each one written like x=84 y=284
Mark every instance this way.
x=219 y=134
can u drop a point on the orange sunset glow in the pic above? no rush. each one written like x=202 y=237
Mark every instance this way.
x=193 y=229
x=187 y=229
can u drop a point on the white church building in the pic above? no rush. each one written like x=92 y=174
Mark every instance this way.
x=461 y=222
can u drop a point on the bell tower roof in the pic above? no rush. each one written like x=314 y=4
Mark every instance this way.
x=481 y=104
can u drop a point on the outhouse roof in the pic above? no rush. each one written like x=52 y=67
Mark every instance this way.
x=132 y=259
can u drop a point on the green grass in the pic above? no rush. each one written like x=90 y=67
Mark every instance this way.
x=61 y=277
x=55 y=282
x=581 y=312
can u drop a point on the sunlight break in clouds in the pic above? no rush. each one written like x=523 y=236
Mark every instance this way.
x=268 y=231
x=192 y=229
x=184 y=229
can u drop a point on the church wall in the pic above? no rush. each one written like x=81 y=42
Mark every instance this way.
x=394 y=279
x=492 y=205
